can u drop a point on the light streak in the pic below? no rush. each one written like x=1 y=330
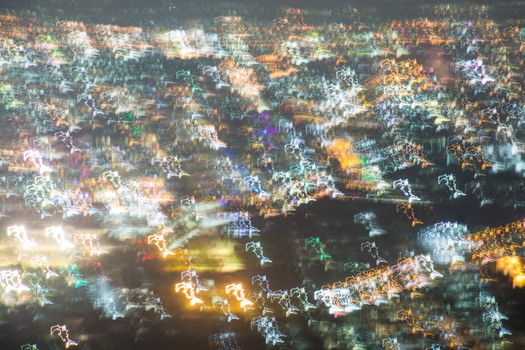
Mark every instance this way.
x=283 y=298
x=302 y=296
x=318 y=247
x=257 y=249
x=36 y=158
x=406 y=188
x=225 y=308
x=449 y=180
x=371 y=248
x=159 y=240
x=58 y=234
x=63 y=333
x=90 y=244
x=408 y=211
x=43 y=264
x=236 y=290
x=188 y=289
x=19 y=233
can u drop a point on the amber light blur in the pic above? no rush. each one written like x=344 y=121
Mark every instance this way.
x=343 y=152
x=512 y=266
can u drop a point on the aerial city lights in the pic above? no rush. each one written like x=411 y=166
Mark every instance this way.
x=249 y=175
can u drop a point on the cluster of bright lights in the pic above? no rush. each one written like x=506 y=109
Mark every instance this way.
x=40 y=195
x=11 y=282
x=207 y=134
x=242 y=80
x=75 y=202
x=254 y=184
x=188 y=44
x=241 y=225
x=88 y=243
x=294 y=120
x=343 y=98
x=436 y=326
x=171 y=165
x=342 y=151
x=411 y=154
x=128 y=46
x=493 y=243
x=267 y=326
x=470 y=156
x=189 y=291
x=475 y=71
x=446 y=241
x=290 y=301
x=378 y=285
